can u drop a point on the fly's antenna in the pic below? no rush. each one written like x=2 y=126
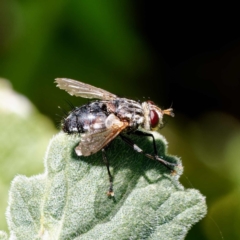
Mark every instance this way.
x=169 y=112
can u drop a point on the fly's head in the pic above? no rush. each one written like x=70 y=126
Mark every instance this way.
x=153 y=115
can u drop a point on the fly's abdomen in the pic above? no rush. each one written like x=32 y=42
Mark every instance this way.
x=89 y=117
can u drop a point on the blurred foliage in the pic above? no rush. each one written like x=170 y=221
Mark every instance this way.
x=213 y=143
x=85 y=40
x=99 y=42
x=24 y=137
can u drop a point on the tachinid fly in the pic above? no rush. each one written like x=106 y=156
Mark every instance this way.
x=102 y=120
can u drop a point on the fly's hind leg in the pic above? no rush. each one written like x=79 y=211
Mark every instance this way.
x=110 y=191
x=167 y=164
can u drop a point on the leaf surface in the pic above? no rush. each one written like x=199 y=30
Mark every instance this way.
x=69 y=201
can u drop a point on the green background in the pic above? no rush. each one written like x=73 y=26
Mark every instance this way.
x=137 y=50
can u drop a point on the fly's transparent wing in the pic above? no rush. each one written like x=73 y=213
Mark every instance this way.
x=95 y=141
x=84 y=90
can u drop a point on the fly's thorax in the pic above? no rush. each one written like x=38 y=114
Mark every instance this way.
x=128 y=110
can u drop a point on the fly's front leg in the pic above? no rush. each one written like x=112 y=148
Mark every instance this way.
x=110 y=191
x=145 y=134
x=168 y=165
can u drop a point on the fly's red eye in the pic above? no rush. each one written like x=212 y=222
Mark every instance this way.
x=154 y=119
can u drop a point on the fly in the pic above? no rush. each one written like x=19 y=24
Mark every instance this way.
x=102 y=120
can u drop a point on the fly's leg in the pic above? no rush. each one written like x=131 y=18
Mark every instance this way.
x=110 y=191
x=145 y=134
x=168 y=165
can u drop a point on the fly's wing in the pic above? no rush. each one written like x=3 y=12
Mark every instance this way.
x=84 y=90
x=93 y=142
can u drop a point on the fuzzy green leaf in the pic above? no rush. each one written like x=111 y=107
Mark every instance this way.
x=69 y=200
x=3 y=235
